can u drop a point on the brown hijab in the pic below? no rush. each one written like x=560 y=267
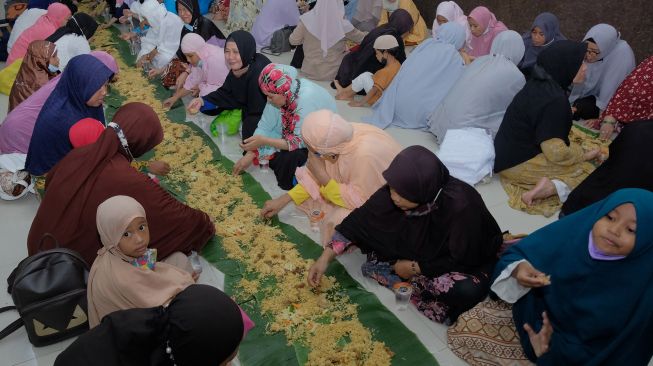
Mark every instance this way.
x=33 y=72
x=89 y=175
x=114 y=282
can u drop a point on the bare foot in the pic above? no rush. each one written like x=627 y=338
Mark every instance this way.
x=543 y=189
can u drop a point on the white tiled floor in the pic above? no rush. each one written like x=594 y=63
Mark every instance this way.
x=16 y=217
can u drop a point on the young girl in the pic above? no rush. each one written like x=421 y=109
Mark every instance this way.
x=580 y=288
x=125 y=274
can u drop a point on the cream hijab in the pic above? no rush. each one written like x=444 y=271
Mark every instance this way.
x=327 y=23
x=116 y=284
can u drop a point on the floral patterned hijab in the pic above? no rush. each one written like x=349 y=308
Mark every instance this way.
x=283 y=80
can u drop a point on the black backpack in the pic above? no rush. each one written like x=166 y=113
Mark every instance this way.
x=49 y=292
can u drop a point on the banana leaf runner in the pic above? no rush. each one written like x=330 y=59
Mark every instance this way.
x=260 y=348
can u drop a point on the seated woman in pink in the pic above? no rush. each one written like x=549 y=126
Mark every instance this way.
x=484 y=27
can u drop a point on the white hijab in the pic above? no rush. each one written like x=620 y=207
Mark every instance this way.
x=327 y=23
x=604 y=76
x=481 y=95
x=164 y=34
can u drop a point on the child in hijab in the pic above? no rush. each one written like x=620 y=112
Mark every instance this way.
x=484 y=27
x=208 y=69
x=39 y=66
x=449 y=11
x=609 y=60
x=85 y=132
x=544 y=31
x=126 y=274
x=418 y=32
x=202 y=326
x=426 y=227
x=386 y=49
x=576 y=292
x=72 y=39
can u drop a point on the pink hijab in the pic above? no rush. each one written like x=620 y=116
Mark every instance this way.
x=327 y=23
x=213 y=72
x=46 y=25
x=485 y=18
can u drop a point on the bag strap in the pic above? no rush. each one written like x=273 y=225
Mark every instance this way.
x=14 y=326
x=46 y=236
x=268 y=51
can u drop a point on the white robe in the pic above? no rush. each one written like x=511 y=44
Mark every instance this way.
x=69 y=46
x=164 y=33
x=24 y=21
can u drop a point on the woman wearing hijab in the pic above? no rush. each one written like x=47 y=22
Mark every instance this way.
x=278 y=137
x=56 y=16
x=633 y=101
x=484 y=27
x=125 y=274
x=624 y=168
x=544 y=31
x=80 y=94
x=72 y=39
x=532 y=146
x=39 y=66
x=208 y=69
x=449 y=11
x=323 y=32
x=472 y=111
x=418 y=33
x=426 y=227
x=202 y=326
x=430 y=71
x=367 y=15
x=274 y=15
x=609 y=60
x=569 y=302
x=24 y=21
x=89 y=175
x=363 y=59
x=161 y=42
x=16 y=130
x=240 y=89
x=345 y=162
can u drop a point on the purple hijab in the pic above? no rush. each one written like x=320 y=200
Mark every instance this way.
x=16 y=130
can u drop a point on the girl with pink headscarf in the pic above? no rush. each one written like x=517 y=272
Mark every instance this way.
x=345 y=163
x=484 y=27
x=56 y=16
x=208 y=68
x=323 y=32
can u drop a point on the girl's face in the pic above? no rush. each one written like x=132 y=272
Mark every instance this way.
x=580 y=76
x=98 y=98
x=593 y=52
x=614 y=233
x=401 y=202
x=537 y=36
x=136 y=238
x=54 y=59
x=476 y=29
x=193 y=58
x=184 y=14
x=278 y=100
x=441 y=20
x=232 y=56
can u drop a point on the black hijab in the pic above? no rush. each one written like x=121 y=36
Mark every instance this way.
x=450 y=230
x=202 y=326
x=541 y=110
x=364 y=59
x=80 y=24
x=201 y=25
x=625 y=168
x=246 y=46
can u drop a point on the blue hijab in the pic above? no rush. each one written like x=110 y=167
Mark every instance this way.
x=423 y=80
x=83 y=76
x=550 y=26
x=601 y=311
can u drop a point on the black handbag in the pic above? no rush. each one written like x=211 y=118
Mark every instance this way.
x=49 y=292
x=280 y=42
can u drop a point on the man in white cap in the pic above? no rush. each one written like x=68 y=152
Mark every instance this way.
x=385 y=48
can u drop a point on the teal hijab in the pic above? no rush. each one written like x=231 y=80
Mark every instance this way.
x=601 y=311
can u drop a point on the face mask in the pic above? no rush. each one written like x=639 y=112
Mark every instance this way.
x=189 y=27
x=200 y=63
x=53 y=69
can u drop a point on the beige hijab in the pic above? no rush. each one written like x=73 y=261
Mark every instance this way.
x=116 y=284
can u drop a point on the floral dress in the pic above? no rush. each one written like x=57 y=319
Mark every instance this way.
x=242 y=14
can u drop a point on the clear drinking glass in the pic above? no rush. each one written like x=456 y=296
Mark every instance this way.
x=403 y=291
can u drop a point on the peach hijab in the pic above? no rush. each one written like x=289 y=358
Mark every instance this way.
x=114 y=283
x=364 y=152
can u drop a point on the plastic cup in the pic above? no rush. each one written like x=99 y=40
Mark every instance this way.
x=264 y=164
x=403 y=291
x=195 y=262
x=315 y=217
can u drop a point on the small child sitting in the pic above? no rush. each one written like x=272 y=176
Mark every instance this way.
x=386 y=48
x=125 y=274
